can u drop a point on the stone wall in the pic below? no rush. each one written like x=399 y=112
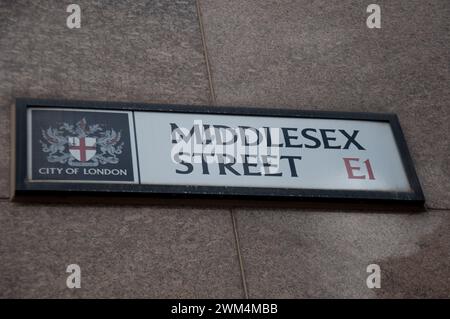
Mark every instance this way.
x=302 y=54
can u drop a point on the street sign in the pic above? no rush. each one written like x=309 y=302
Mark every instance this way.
x=123 y=148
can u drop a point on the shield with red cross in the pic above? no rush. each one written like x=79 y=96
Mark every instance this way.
x=82 y=148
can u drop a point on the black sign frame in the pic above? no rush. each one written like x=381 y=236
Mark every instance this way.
x=21 y=188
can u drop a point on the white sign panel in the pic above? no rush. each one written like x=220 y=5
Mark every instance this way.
x=274 y=152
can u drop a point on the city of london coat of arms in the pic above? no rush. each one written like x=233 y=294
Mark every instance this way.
x=81 y=144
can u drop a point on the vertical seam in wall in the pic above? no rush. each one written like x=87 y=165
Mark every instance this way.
x=238 y=248
x=205 y=53
x=213 y=101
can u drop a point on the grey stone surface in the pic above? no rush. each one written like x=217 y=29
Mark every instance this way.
x=311 y=254
x=320 y=55
x=137 y=51
x=123 y=252
x=291 y=54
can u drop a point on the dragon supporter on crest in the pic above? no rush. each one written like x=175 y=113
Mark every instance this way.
x=81 y=145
